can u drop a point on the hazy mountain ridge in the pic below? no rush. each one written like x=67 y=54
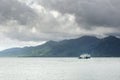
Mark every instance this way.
x=109 y=46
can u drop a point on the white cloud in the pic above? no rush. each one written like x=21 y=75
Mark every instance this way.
x=8 y=43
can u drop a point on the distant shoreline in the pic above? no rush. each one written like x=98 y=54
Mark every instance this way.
x=47 y=57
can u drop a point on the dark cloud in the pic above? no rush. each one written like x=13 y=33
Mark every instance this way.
x=33 y=22
x=43 y=20
x=14 y=10
x=89 y=13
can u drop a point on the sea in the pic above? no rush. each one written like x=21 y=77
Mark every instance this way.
x=59 y=68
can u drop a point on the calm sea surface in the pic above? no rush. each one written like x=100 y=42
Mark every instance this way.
x=59 y=69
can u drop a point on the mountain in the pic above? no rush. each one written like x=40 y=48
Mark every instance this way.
x=109 y=46
x=106 y=47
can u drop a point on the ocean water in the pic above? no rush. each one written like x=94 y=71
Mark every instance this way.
x=59 y=69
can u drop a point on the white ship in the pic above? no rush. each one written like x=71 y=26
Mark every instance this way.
x=84 y=56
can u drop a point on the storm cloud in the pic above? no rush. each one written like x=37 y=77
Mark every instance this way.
x=43 y=20
x=14 y=10
x=89 y=13
x=33 y=22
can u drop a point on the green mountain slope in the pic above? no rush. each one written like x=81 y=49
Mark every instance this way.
x=109 y=46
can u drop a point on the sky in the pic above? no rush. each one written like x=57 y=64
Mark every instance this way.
x=33 y=22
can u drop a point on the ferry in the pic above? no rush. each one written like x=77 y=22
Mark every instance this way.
x=84 y=56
